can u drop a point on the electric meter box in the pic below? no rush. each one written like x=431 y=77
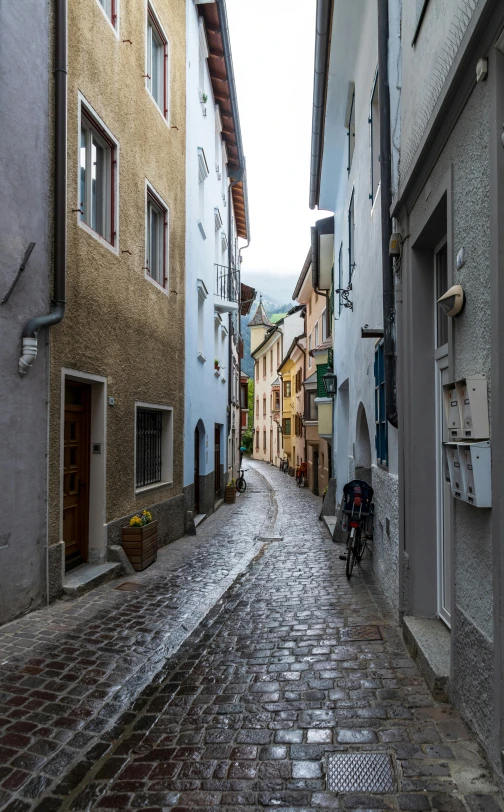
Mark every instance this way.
x=475 y=463
x=473 y=407
x=451 y=451
x=452 y=411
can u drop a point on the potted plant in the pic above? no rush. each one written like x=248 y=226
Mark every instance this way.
x=140 y=540
x=230 y=492
x=216 y=364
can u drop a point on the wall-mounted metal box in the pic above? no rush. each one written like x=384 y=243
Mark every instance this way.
x=452 y=411
x=473 y=407
x=452 y=458
x=475 y=463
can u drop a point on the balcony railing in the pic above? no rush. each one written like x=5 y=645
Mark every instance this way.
x=227 y=284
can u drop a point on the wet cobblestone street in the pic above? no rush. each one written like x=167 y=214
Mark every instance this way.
x=226 y=679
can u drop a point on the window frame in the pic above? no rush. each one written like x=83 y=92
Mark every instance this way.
x=351 y=131
x=381 y=423
x=153 y=23
x=287 y=385
x=374 y=162
x=351 y=237
x=113 y=18
x=91 y=121
x=285 y=421
x=166 y=445
x=152 y=198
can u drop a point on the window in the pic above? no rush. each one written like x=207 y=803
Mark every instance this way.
x=257 y=370
x=286 y=426
x=374 y=138
x=156 y=239
x=153 y=446
x=264 y=406
x=202 y=295
x=97 y=165
x=203 y=173
x=264 y=440
x=316 y=335
x=381 y=434
x=351 y=238
x=271 y=360
x=311 y=412
x=203 y=56
x=278 y=354
x=109 y=7
x=257 y=440
x=276 y=400
x=323 y=323
x=264 y=367
x=340 y=277
x=287 y=387
x=309 y=350
x=157 y=62
x=298 y=425
x=257 y=407
x=351 y=128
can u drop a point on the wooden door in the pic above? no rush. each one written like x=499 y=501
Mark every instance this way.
x=217 y=465
x=196 y=471
x=76 y=473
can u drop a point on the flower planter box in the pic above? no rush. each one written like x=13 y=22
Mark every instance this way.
x=140 y=545
x=230 y=494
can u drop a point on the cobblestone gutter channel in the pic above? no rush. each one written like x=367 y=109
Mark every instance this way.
x=291 y=670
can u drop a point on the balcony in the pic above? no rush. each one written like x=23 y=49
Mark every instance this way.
x=227 y=290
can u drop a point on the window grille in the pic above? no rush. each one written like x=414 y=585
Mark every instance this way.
x=149 y=428
x=203 y=171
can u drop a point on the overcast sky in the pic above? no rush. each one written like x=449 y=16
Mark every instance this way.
x=272 y=43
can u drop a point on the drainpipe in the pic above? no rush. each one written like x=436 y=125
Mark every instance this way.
x=386 y=221
x=32 y=327
x=236 y=178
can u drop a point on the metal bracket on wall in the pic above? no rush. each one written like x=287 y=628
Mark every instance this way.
x=344 y=293
x=21 y=269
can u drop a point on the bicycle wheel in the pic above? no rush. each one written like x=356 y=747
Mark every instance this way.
x=241 y=485
x=360 y=545
x=350 y=560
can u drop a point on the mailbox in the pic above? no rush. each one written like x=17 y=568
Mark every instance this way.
x=452 y=411
x=472 y=398
x=475 y=464
x=451 y=451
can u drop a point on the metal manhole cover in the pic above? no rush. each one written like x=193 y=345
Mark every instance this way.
x=129 y=586
x=360 y=772
x=360 y=633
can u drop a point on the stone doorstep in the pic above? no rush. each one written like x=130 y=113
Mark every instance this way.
x=330 y=522
x=199 y=518
x=428 y=641
x=88 y=576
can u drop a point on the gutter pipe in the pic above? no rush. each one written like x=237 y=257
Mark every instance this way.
x=32 y=327
x=386 y=221
x=322 y=42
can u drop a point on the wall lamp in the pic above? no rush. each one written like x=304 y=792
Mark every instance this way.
x=330 y=383
x=452 y=302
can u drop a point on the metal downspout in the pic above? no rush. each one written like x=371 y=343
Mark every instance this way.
x=32 y=327
x=322 y=41
x=386 y=221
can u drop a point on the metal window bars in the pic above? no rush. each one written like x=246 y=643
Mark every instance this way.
x=227 y=283
x=149 y=428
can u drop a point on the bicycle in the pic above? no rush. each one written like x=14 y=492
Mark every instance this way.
x=357 y=512
x=241 y=485
x=284 y=465
x=301 y=473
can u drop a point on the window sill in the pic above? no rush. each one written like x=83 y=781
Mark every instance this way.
x=202 y=230
x=106 y=244
x=201 y=358
x=156 y=284
x=153 y=487
x=217 y=373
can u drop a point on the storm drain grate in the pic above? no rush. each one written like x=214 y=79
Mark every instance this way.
x=129 y=586
x=360 y=772
x=360 y=633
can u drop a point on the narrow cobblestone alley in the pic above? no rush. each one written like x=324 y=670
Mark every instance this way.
x=227 y=677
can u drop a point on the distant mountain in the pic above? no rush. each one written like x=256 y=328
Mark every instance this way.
x=272 y=308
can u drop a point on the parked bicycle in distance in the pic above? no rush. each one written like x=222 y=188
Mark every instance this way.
x=241 y=485
x=284 y=465
x=358 y=512
x=301 y=474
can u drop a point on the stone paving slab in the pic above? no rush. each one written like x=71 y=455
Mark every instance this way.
x=293 y=665
x=69 y=671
